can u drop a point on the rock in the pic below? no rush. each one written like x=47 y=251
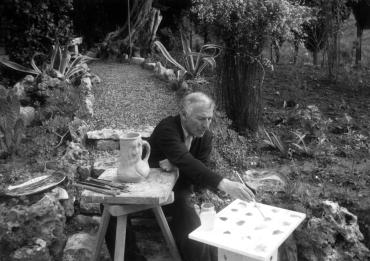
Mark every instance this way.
x=137 y=60
x=104 y=134
x=334 y=235
x=169 y=75
x=78 y=129
x=44 y=220
x=95 y=79
x=149 y=66
x=87 y=220
x=115 y=134
x=53 y=165
x=83 y=172
x=59 y=193
x=85 y=86
x=27 y=114
x=36 y=252
x=79 y=247
x=68 y=206
x=107 y=145
x=89 y=208
x=21 y=88
x=75 y=152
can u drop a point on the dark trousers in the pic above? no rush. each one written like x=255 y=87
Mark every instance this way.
x=184 y=220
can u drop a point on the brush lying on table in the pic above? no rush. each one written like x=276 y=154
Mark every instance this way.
x=102 y=186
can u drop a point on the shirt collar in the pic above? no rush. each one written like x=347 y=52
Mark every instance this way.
x=185 y=132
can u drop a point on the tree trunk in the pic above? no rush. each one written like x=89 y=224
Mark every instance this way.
x=239 y=92
x=315 y=57
x=358 y=46
x=144 y=22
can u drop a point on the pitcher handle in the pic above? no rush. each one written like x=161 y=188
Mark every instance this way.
x=147 y=150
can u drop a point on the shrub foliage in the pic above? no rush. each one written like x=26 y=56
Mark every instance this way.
x=32 y=26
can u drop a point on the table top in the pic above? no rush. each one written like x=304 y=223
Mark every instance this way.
x=241 y=228
x=155 y=189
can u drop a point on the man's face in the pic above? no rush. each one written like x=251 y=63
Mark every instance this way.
x=199 y=119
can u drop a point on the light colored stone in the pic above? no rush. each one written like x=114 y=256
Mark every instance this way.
x=59 y=193
x=89 y=208
x=27 y=114
x=38 y=251
x=149 y=66
x=104 y=134
x=169 y=75
x=107 y=145
x=86 y=85
x=95 y=79
x=137 y=60
x=79 y=247
x=115 y=134
x=87 y=220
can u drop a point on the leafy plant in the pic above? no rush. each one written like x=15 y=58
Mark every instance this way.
x=62 y=64
x=275 y=142
x=11 y=125
x=194 y=62
x=300 y=144
x=31 y=26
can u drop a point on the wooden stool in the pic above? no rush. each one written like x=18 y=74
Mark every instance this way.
x=121 y=212
x=152 y=193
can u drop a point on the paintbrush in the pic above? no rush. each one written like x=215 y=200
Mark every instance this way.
x=254 y=200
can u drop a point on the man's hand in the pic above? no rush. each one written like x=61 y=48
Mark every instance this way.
x=236 y=190
x=166 y=165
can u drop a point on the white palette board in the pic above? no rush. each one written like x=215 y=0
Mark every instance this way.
x=240 y=228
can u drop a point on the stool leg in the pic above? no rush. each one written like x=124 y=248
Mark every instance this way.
x=161 y=219
x=101 y=233
x=119 y=252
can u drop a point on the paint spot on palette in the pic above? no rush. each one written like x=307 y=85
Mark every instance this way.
x=275 y=210
x=243 y=204
x=248 y=214
x=277 y=232
x=223 y=218
x=246 y=238
x=227 y=232
x=260 y=227
x=234 y=209
x=240 y=222
x=295 y=216
x=261 y=248
x=267 y=219
x=286 y=223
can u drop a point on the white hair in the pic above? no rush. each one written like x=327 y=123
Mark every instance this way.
x=196 y=98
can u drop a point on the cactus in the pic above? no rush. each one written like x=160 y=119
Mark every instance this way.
x=11 y=125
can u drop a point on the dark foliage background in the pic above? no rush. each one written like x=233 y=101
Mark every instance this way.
x=31 y=26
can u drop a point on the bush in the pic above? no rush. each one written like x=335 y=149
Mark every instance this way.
x=32 y=25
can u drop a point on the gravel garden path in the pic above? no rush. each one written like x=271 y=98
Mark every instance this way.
x=130 y=97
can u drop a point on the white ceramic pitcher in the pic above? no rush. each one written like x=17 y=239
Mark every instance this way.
x=132 y=168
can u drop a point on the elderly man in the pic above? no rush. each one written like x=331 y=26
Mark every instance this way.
x=185 y=141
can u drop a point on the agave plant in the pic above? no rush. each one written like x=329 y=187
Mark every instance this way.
x=62 y=64
x=195 y=62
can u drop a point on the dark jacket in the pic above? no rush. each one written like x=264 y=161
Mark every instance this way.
x=167 y=142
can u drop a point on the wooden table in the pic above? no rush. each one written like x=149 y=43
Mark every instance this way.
x=151 y=193
x=242 y=233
